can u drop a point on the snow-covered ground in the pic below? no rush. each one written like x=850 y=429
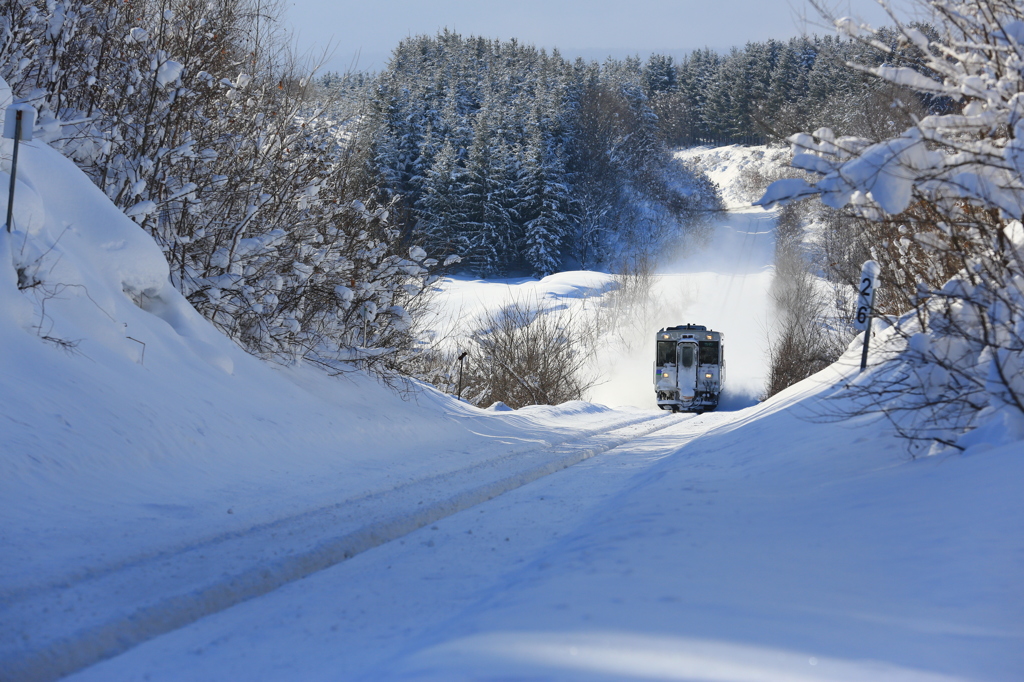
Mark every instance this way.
x=134 y=431
x=746 y=546
x=192 y=513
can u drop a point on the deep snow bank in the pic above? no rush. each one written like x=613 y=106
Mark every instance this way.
x=130 y=425
x=758 y=545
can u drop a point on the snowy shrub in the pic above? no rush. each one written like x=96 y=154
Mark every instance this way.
x=950 y=190
x=194 y=119
x=524 y=354
x=809 y=330
x=630 y=310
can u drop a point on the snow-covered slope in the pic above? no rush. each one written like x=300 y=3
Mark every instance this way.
x=762 y=545
x=155 y=479
x=737 y=170
x=132 y=428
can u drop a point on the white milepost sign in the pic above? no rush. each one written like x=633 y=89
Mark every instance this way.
x=866 y=305
x=866 y=296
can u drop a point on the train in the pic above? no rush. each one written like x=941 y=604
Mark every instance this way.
x=689 y=368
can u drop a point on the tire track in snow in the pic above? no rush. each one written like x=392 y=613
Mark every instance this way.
x=87 y=573
x=51 y=633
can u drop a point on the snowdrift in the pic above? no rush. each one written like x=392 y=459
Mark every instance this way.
x=132 y=426
x=134 y=433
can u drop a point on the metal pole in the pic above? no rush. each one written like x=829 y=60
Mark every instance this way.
x=366 y=357
x=461 y=358
x=14 y=169
x=867 y=340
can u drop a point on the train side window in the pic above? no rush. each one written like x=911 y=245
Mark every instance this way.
x=686 y=355
x=709 y=352
x=666 y=353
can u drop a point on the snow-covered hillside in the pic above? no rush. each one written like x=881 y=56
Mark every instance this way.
x=175 y=509
x=733 y=168
x=132 y=428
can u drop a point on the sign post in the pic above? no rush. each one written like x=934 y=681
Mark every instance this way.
x=19 y=121
x=461 y=358
x=866 y=305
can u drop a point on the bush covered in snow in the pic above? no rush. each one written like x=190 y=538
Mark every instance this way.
x=951 y=190
x=526 y=353
x=193 y=118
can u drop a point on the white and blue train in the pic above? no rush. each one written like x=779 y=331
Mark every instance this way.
x=689 y=369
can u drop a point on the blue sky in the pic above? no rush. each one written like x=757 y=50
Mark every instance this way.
x=592 y=29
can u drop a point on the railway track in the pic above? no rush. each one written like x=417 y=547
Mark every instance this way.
x=51 y=631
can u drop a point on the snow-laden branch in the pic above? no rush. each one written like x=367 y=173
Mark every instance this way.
x=949 y=194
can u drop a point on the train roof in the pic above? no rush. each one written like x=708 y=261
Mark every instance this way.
x=686 y=330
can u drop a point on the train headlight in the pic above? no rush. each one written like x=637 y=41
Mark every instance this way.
x=707 y=376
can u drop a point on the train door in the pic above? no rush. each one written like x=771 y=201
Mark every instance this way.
x=686 y=366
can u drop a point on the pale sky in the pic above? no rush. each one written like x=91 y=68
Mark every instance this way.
x=593 y=29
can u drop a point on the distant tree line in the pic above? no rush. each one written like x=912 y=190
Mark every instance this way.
x=519 y=160
x=767 y=91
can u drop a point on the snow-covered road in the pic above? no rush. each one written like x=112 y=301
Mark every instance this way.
x=196 y=514
x=744 y=554
x=361 y=615
x=83 y=616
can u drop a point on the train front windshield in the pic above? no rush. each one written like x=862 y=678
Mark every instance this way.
x=666 y=353
x=709 y=352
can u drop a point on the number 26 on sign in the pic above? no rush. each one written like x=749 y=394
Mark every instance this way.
x=866 y=297
x=866 y=305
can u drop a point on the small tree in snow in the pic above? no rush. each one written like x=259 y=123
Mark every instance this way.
x=528 y=354
x=951 y=190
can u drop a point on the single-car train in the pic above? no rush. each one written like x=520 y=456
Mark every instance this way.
x=689 y=369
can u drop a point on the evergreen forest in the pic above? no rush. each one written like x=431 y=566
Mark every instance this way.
x=521 y=161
